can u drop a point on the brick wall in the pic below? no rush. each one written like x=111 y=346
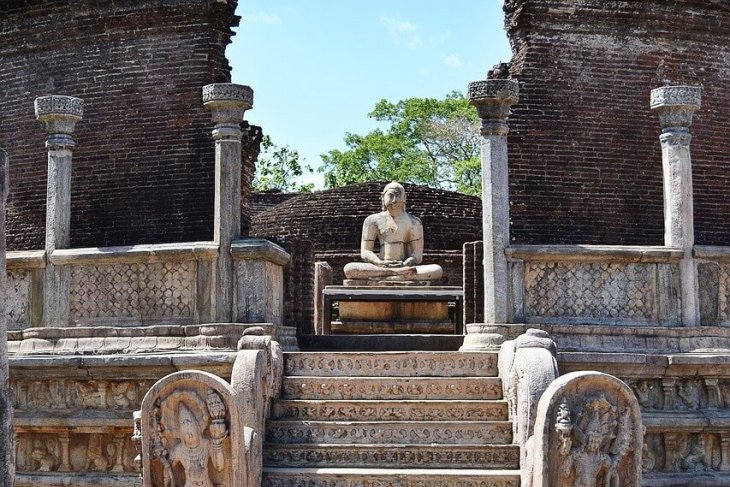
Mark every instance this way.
x=585 y=161
x=143 y=168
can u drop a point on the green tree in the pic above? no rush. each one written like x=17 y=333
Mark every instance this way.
x=279 y=167
x=426 y=141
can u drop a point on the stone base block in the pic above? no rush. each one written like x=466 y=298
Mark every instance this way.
x=383 y=282
x=394 y=311
x=369 y=327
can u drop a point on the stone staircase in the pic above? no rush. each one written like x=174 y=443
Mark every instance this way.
x=387 y=419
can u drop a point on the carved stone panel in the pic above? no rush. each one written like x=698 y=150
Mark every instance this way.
x=588 y=433
x=72 y=452
x=60 y=394
x=192 y=434
x=17 y=305
x=136 y=292
x=595 y=292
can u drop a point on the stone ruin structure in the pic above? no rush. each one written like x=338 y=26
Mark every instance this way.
x=163 y=355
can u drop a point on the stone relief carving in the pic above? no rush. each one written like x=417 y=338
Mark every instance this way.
x=70 y=394
x=74 y=452
x=406 y=364
x=59 y=104
x=482 y=389
x=588 y=433
x=181 y=444
x=589 y=290
x=191 y=433
x=141 y=291
x=595 y=445
x=17 y=295
x=274 y=481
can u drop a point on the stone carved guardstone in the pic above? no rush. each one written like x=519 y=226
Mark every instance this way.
x=588 y=433
x=400 y=239
x=192 y=433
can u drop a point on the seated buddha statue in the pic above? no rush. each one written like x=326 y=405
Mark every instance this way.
x=400 y=239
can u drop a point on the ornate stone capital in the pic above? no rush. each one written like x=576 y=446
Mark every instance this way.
x=59 y=114
x=493 y=99
x=227 y=103
x=675 y=105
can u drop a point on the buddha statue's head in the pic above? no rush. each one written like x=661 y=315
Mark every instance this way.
x=394 y=195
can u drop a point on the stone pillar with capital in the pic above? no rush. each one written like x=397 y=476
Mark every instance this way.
x=675 y=106
x=493 y=99
x=58 y=115
x=227 y=102
x=7 y=465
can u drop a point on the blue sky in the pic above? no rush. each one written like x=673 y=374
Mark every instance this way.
x=318 y=67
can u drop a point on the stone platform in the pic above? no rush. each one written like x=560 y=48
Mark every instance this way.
x=393 y=309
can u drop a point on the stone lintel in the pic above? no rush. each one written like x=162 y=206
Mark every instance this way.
x=59 y=115
x=227 y=103
x=595 y=253
x=133 y=254
x=26 y=259
x=493 y=99
x=675 y=106
x=259 y=249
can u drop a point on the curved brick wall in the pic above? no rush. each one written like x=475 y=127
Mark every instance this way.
x=143 y=167
x=584 y=150
x=332 y=220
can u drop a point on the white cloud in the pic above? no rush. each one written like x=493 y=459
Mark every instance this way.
x=404 y=31
x=262 y=18
x=452 y=60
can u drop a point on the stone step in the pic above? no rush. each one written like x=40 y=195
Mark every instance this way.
x=479 y=388
x=382 y=342
x=391 y=432
x=378 y=410
x=391 y=364
x=371 y=477
x=405 y=456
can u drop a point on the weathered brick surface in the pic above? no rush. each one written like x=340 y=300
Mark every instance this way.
x=143 y=167
x=585 y=160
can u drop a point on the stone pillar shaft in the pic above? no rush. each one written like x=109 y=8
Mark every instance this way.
x=675 y=106
x=7 y=465
x=493 y=99
x=227 y=103
x=58 y=115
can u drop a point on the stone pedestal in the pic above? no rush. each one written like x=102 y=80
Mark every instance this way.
x=58 y=115
x=493 y=99
x=227 y=103
x=7 y=466
x=392 y=309
x=675 y=106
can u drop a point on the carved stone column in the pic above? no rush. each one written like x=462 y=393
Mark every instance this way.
x=725 y=452
x=227 y=103
x=675 y=106
x=493 y=99
x=58 y=115
x=7 y=465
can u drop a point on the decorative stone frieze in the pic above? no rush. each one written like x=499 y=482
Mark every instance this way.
x=72 y=452
x=588 y=431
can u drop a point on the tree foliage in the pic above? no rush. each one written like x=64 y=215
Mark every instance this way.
x=279 y=168
x=426 y=141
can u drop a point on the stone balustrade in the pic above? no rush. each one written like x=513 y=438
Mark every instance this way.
x=589 y=284
x=142 y=285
